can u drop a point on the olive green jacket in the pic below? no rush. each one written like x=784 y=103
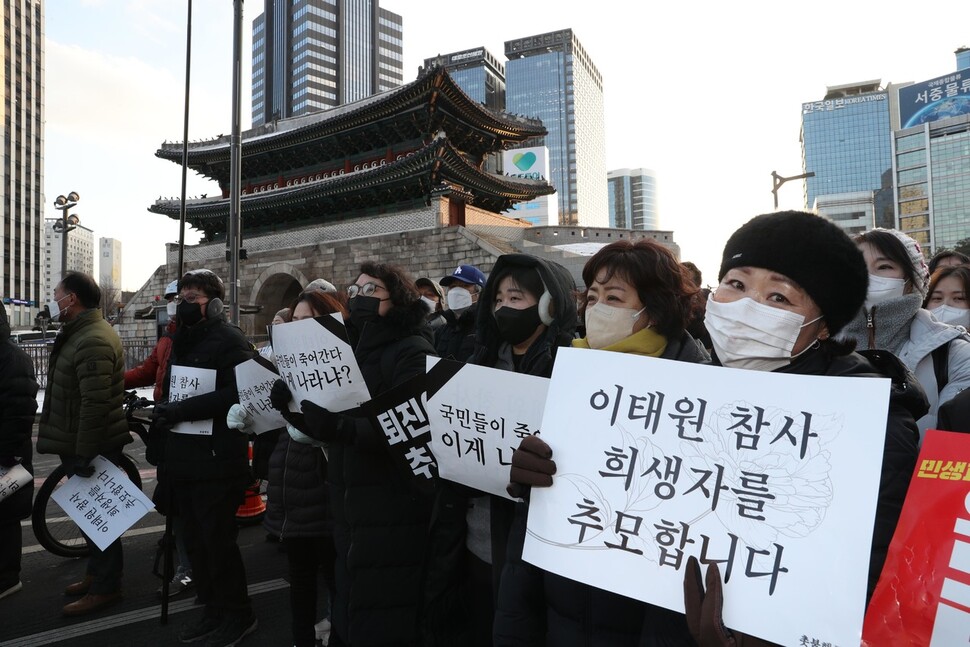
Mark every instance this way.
x=82 y=413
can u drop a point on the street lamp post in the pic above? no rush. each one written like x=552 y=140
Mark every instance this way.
x=67 y=223
x=777 y=181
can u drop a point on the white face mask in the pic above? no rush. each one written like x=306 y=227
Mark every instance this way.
x=953 y=316
x=55 y=307
x=171 y=308
x=748 y=334
x=882 y=289
x=459 y=299
x=606 y=324
x=431 y=303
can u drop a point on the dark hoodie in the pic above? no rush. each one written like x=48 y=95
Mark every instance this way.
x=380 y=522
x=18 y=403
x=446 y=618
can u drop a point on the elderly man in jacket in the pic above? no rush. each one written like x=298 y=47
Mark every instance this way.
x=82 y=416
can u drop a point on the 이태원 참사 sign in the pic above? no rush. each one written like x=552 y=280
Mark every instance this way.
x=772 y=476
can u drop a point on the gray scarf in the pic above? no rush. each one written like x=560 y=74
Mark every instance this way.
x=891 y=320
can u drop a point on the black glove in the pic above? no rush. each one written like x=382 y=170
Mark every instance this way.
x=77 y=465
x=532 y=466
x=8 y=461
x=703 y=610
x=280 y=396
x=325 y=426
x=166 y=415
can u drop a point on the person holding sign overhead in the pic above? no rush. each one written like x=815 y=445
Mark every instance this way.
x=638 y=300
x=82 y=416
x=207 y=463
x=380 y=520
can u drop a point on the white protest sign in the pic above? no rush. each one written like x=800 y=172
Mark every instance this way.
x=103 y=505
x=773 y=476
x=316 y=361
x=478 y=418
x=12 y=479
x=254 y=381
x=187 y=382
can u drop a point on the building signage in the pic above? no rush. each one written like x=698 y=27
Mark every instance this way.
x=842 y=102
x=939 y=98
x=475 y=53
x=531 y=164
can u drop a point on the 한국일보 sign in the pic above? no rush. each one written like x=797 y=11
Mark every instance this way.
x=314 y=358
x=187 y=382
x=254 y=381
x=478 y=417
x=772 y=476
x=105 y=504
x=923 y=594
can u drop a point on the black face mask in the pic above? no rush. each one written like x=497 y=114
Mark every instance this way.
x=189 y=314
x=515 y=326
x=363 y=309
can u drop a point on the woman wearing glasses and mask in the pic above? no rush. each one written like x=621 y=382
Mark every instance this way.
x=380 y=522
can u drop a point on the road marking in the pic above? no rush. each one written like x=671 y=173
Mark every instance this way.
x=127 y=618
x=36 y=548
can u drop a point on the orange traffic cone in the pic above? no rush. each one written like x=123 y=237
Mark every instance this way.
x=253 y=507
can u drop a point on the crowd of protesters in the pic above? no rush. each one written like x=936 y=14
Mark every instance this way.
x=794 y=295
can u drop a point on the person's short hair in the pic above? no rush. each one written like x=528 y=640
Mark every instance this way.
x=945 y=254
x=83 y=287
x=285 y=314
x=205 y=280
x=961 y=272
x=694 y=272
x=321 y=302
x=399 y=284
x=660 y=280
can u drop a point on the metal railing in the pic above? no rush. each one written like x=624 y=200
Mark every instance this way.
x=135 y=352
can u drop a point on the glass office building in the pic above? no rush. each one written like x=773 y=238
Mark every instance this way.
x=477 y=72
x=311 y=55
x=552 y=78
x=846 y=141
x=632 y=197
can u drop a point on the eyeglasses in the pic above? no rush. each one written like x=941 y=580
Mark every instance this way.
x=190 y=298
x=366 y=290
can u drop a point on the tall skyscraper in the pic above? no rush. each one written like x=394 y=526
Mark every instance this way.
x=552 y=78
x=477 y=72
x=22 y=193
x=109 y=263
x=846 y=142
x=80 y=254
x=633 y=199
x=311 y=55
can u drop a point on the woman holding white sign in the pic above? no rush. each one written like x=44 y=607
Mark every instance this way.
x=638 y=300
x=380 y=520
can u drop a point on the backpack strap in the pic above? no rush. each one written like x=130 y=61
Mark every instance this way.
x=941 y=365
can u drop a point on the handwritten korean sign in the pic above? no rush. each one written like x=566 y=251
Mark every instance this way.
x=12 y=479
x=316 y=361
x=762 y=473
x=254 y=381
x=187 y=382
x=477 y=418
x=923 y=595
x=103 y=505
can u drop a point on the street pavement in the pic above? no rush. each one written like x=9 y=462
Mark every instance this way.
x=33 y=617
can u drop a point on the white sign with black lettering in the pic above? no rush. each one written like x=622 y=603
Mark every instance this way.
x=187 y=382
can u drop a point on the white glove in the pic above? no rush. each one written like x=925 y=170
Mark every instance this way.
x=300 y=437
x=238 y=418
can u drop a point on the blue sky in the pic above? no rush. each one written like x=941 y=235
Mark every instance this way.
x=707 y=94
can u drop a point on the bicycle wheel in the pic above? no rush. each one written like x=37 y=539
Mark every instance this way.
x=55 y=531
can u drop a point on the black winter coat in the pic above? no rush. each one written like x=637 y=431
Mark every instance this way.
x=18 y=404
x=380 y=521
x=211 y=344
x=297 y=502
x=456 y=339
x=540 y=608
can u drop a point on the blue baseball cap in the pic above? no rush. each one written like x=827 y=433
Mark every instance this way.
x=466 y=274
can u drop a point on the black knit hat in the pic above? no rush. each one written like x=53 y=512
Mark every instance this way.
x=810 y=250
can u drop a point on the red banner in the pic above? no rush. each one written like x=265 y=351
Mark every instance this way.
x=923 y=594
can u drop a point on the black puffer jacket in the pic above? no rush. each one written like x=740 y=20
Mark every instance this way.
x=18 y=403
x=297 y=502
x=456 y=338
x=446 y=614
x=380 y=521
x=210 y=344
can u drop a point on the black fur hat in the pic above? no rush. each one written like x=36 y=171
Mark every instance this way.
x=810 y=250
